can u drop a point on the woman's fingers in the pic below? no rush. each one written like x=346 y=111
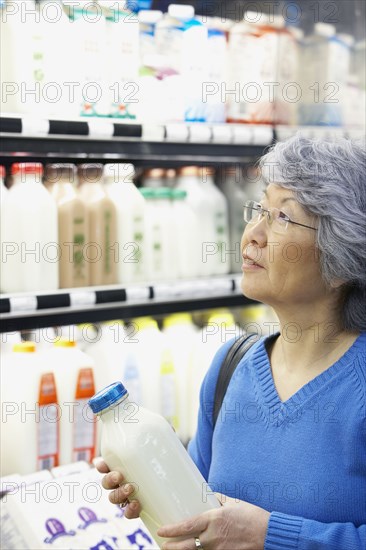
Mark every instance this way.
x=133 y=509
x=112 y=480
x=120 y=495
x=100 y=465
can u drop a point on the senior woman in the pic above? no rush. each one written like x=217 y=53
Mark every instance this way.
x=287 y=455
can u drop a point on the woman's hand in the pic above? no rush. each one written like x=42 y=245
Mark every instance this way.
x=238 y=525
x=121 y=491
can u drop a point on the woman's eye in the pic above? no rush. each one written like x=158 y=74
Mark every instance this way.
x=283 y=216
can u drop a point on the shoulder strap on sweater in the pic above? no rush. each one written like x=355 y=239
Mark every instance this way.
x=231 y=361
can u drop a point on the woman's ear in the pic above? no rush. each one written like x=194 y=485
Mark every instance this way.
x=337 y=283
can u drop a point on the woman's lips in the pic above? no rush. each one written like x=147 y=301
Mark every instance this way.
x=250 y=265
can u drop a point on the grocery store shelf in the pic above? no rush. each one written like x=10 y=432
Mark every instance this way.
x=103 y=140
x=25 y=311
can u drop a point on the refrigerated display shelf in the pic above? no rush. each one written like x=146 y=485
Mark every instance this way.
x=25 y=311
x=101 y=140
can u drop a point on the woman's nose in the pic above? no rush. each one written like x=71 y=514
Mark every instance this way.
x=256 y=232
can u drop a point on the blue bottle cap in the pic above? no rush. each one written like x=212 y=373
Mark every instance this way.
x=106 y=397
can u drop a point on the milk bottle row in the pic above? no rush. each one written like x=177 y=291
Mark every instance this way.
x=177 y=66
x=47 y=382
x=93 y=226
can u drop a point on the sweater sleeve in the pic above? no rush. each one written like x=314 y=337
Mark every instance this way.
x=200 y=448
x=285 y=532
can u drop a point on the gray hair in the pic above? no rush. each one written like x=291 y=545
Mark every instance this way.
x=329 y=181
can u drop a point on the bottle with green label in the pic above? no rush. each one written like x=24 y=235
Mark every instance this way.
x=102 y=250
x=130 y=206
x=72 y=225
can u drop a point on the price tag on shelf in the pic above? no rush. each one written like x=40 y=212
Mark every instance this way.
x=137 y=293
x=262 y=135
x=23 y=303
x=176 y=132
x=163 y=290
x=224 y=285
x=222 y=133
x=238 y=279
x=83 y=298
x=100 y=128
x=153 y=132
x=243 y=134
x=35 y=126
x=200 y=133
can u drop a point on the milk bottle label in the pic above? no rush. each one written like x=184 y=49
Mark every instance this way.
x=48 y=430
x=84 y=421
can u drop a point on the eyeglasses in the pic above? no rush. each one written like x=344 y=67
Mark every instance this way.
x=278 y=220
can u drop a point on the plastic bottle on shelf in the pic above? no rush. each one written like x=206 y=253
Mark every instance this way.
x=121 y=58
x=131 y=232
x=151 y=107
x=189 y=179
x=168 y=493
x=29 y=233
x=73 y=225
x=218 y=254
x=101 y=251
x=154 y=177
x=29 y=409
x=146 y=343
x=325 y=59
x=159 y=235
x=215 y=107
x=89 y=37
x=262 y=52
x=181 y=334
x=3 y=193
x=218 y=330
x=228 y=182
x=182 y=39
x=186 y=229
x=74 y=373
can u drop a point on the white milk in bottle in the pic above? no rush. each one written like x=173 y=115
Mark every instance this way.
x=101 y=251
x=74 y=374
x=145 y=448
x=72 y=225
x=29 y=410
x=30 y=233
x=3 y=194
x=217 y=250
x=181 y=335
x=121 y=58
x=130 y=206
x=189 y=178
x=186 y=229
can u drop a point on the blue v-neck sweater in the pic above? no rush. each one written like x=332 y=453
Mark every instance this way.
x=303 y=460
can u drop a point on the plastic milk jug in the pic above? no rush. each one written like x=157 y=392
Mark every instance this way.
x=29 y=412
x=181 y=335
x=29 y=233
x=101 y=251
x=74 y=374
x=186 y=229
x=72 y=226
x=121 y=58
x=190 y=179
x=130 y=206
x=143 y=446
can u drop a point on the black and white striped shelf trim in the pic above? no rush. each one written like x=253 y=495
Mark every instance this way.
x=79 y=299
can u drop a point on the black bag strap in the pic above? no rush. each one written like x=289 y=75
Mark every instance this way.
x=229 y=364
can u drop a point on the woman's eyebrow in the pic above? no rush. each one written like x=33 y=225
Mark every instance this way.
x=285 y=199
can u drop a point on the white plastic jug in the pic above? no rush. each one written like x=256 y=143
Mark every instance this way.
x=29 y=233
x=144 y=447
x=181 y=336
x=74 y=374
x=131 y=231
x=28 y=409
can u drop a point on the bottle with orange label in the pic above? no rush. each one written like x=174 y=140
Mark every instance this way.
x=101 y=251
x=72 y=225
x=30 y=413
x=74 y=375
